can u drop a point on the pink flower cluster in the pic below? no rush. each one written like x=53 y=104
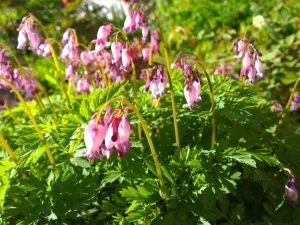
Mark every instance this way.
x=26 y=83
x=156 y=82
x=251 y=65
x=111 y=58
x=27 y=32
x=192 y=84
x=111 y=131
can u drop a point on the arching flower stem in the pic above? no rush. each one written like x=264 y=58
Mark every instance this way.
x=173 y=99
x=212 y=98
x=125 y=101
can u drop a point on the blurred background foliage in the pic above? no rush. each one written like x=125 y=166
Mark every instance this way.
x=204 y=28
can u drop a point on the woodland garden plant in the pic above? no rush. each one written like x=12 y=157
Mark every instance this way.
x=126 y=130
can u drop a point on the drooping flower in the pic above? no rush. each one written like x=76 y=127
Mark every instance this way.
x=94 y=135
x=252 y=66
x=154 y=43
x=291 y=190
x=123 y=144
x=116 y=50
x=295 y=103
x=192 y=85
x=192 y=89
x=117 y=136
x=27 y=31
x=126 y=57
x=156 y=82
x=35 y=39
x=83 y=85
x=277 y=107
x=44 y=49
x=139 y=19
x=30 y=86
x=145 y=32
x=130 y=22
x=102 y=37
x=69 y=52
x=71 y=73
x=145 y=53
x=258 y=66
x=240 y=48
x=86 y=57
x=22 y=38
x=67 y=34
x=104 y=32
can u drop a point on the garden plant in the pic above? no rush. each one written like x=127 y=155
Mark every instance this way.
x=144 y=124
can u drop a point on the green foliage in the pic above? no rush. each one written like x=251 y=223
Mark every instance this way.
x=238 y=181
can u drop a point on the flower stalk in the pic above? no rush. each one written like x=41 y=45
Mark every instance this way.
x=173 y=99
x=212 y=98
x=134 y=86
x=31 y=117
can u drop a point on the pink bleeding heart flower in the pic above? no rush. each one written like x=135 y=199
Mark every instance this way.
x=251 y=72
x=69 y=52
x=145 y=53
x=291 y=192
x=94 y=135
x=145 y=32
x=258 y=67
x=111 y=137
x=22 y=38
x=139 y=19
x=130 y=22
x=86 y=57
x=295 y=104
x=247 y=61
x=35 y=40
x=192 y=91
x=83 y=86
x=154 y=44
x=66 y=36
x=156 y=82
x=241 y=46
x=104 y=31
x=44 y=49
x=126 y=57
x=71 y=73
x=116 y=50
x=123 y=144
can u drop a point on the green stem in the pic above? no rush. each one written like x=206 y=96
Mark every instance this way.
x=153 y=152
x=8 y=148
x=212 y=98
x=173 y=100
x=287 y=107
x=134 y=87
x=31 y=117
